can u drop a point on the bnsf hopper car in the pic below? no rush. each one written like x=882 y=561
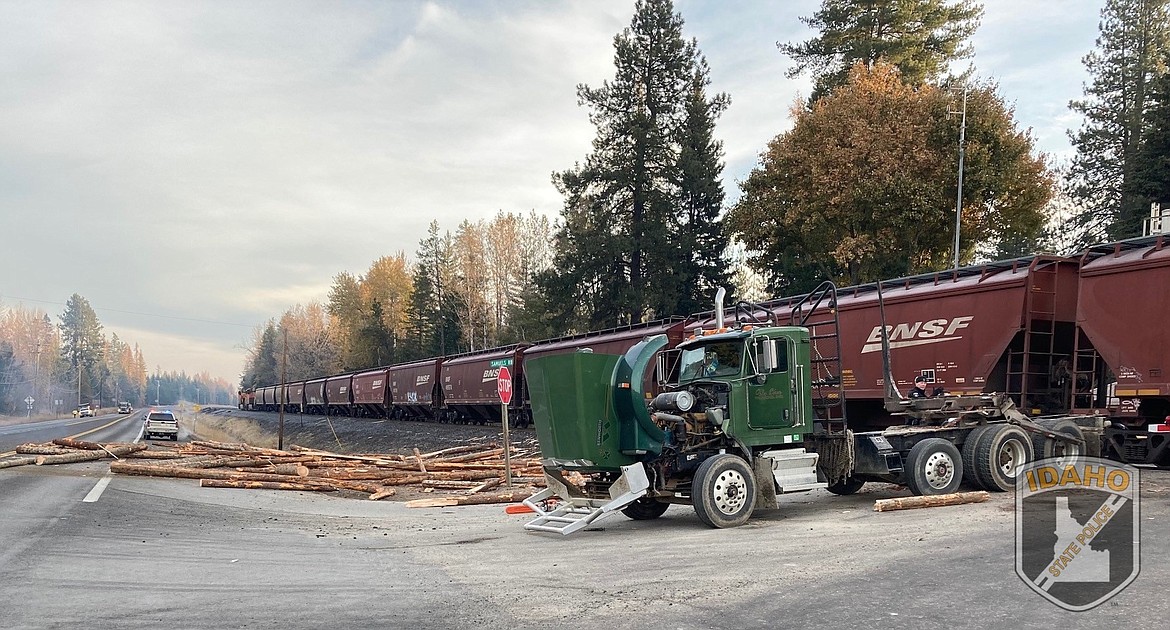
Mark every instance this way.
x=469 y=386
x=315 y=396
x=295 y=400
x=370 y=393
x=414 y=390
x=1122 y=361
x=338 y=399
x=1004 y=327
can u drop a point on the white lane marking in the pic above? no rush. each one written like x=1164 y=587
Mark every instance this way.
x=97 y=491
x=100 y=487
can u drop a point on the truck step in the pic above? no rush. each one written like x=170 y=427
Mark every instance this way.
x=575 y=512
x=794 y=469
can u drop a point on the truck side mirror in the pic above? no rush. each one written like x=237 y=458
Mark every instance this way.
x=660 y=368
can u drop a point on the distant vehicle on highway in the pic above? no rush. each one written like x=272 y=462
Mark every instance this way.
x=161 y=423
x=124 y=407
x=83 y=411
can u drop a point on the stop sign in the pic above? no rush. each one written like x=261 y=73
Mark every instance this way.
x=504 y=385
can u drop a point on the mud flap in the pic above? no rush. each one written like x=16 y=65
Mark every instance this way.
x=765 y=484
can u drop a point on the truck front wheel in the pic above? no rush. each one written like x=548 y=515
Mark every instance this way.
x=934 y=466
x=724 y=491
x=645 y=509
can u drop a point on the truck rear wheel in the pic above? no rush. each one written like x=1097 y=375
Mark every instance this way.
x=933 y=466
x=724 y=491
x=1045 y=448
x=969 y=457
x=1000 y=451
x=645 y=509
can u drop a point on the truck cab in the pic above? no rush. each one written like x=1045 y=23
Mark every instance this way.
x=753 y=377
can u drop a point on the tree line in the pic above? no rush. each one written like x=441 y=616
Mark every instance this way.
x=74 y=361
x=865 y=185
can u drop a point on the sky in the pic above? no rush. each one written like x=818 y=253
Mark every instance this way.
x=194 y=169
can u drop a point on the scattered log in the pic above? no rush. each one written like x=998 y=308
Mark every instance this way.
x=454 y=450
x=359 y=458
x=487 y=485
x=910 y=503
x=155 y=455
x=419 y=458
x=475 y=499
x=17 y=461
x=84 y=456
x=127 y=468
x=383 y=493
x=454 y=485
x=81 y=444
x=263 y=485
x=43 y=449
x=471 y=457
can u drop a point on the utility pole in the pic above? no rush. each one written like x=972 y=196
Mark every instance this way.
x=962 y=154
x=37 y=373
x=283 y=398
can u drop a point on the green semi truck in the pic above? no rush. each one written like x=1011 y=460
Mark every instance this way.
x=747 y=410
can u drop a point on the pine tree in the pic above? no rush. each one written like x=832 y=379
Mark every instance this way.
x=82 y=344
x=919 y=37
x=1134 y=37
x=1152 y=172
x=431 y=321
x=621 y=217
x=701 y=240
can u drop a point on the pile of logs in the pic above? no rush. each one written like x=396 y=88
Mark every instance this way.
x=467 y=472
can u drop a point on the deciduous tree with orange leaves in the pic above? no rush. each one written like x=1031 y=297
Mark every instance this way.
x=863 y=186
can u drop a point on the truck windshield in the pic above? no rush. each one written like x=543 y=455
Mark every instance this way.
x=716 y=359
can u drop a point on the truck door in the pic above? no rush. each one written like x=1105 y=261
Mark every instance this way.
x=769 y=393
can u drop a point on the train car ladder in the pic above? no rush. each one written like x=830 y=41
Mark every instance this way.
x=1030 y=370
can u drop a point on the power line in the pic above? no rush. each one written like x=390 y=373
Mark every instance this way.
x=114 y=310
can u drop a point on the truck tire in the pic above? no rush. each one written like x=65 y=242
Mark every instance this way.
x=933 y=466
x=846 y=486
x=969 y=475
x=999 y=453
x=645 y=509
x=724 y=491
x=1045 y=448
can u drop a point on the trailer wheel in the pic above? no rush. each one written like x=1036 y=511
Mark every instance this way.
x=999 y=453
x=848 y=485
x=934 y=466
x=724 y=491
x=645 y=509
x=1045 y=448
x=969 y=475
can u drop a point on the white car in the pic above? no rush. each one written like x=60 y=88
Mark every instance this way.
x=83 y=411
x=161 y=424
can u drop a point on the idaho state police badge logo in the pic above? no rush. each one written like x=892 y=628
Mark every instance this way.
x=1077 y=529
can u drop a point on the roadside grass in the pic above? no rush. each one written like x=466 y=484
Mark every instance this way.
x=218 y=429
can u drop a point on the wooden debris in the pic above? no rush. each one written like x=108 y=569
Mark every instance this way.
x=419 y=458
x=263 y=485
x=910 y=503
x=42 y=449
x=17 y=461
x=475 y=499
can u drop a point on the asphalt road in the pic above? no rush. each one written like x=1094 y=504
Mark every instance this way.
x=99 y=428
x=151 y=553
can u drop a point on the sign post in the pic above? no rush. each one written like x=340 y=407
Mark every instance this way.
x=504 y=387
x=29 y=401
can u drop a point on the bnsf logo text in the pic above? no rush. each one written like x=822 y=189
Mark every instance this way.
x=917 y=334
x=422 y=379
x=491 y=374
